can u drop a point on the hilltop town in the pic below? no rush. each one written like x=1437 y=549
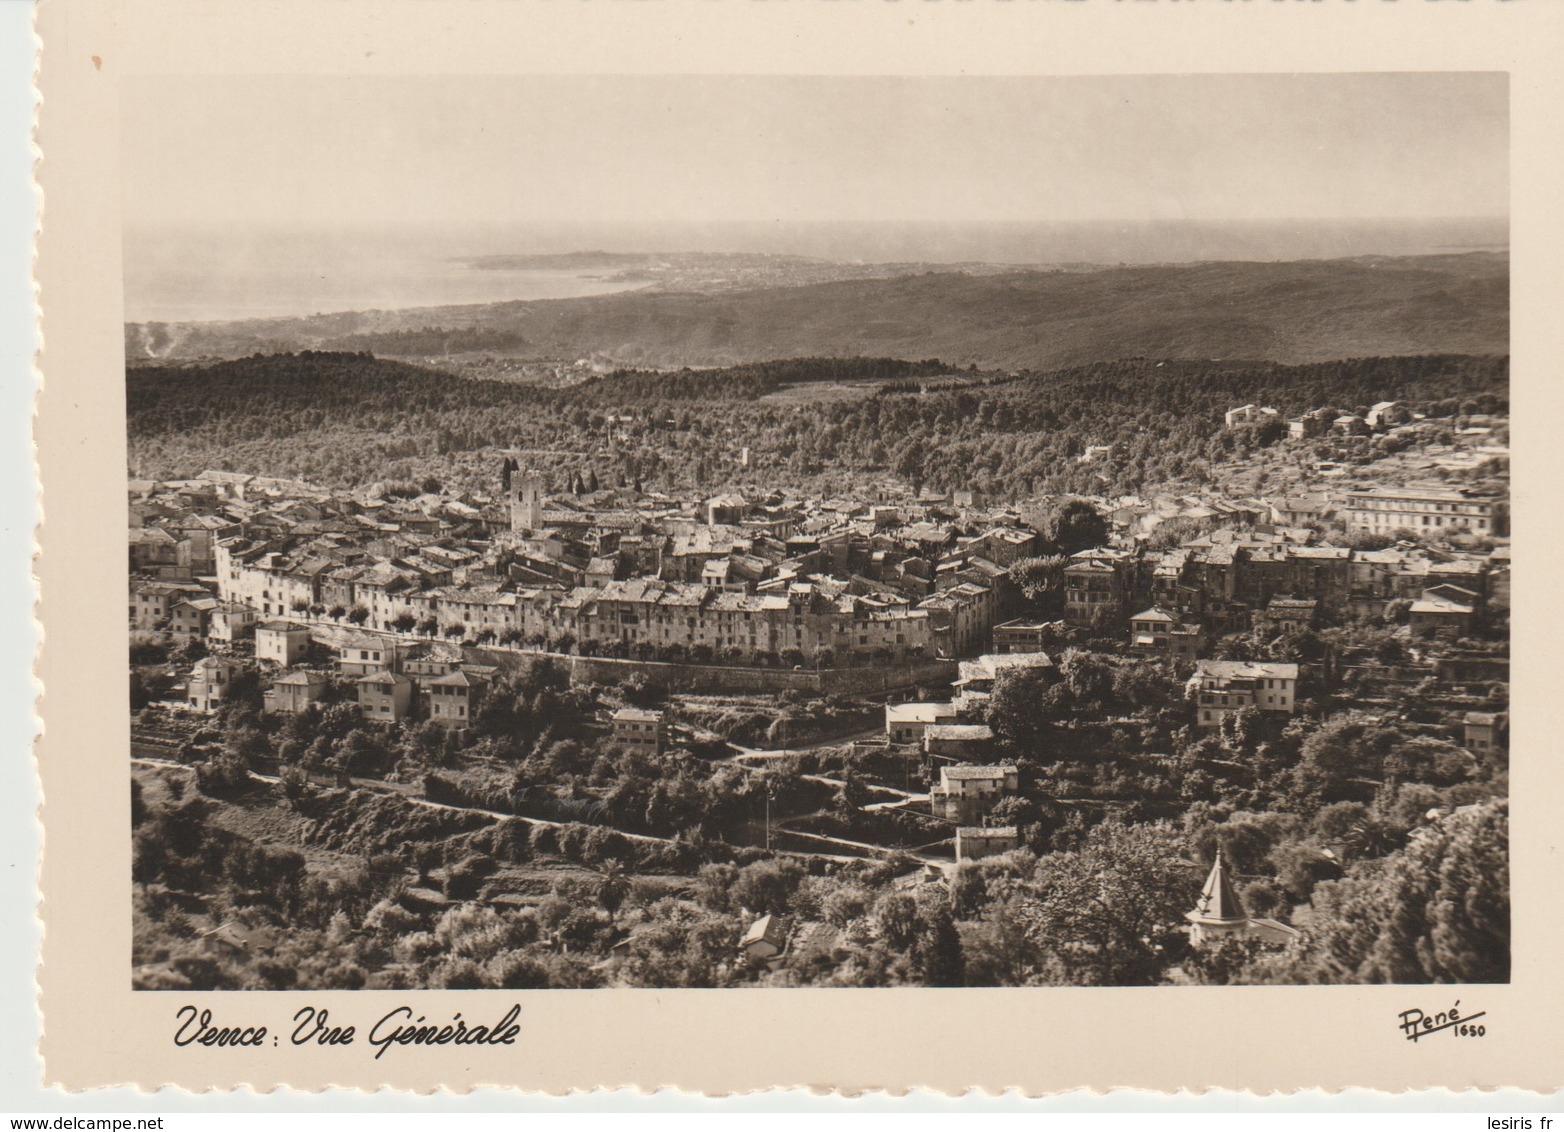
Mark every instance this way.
x=812 y=739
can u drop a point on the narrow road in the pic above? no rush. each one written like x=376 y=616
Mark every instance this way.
x=896 y=803
x=403 y=791
x=902 y=795
x=882 y=850
x=783 y=752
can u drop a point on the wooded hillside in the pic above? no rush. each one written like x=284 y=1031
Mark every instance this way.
x=1296 y=312
x=351 y=419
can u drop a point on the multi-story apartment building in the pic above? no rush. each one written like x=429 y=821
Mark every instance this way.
x=151 y=603
x=1427 y=510
x=1223 y=686
x=1095 y=581
x=1021 y=635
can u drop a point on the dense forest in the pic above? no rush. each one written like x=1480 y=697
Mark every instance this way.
x=346 y=420
x=1309 y=310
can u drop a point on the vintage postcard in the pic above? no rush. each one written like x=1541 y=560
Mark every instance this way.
x=861 y=546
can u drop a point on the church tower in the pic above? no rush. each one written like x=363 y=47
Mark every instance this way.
x=1219 y=913
x=525 y=495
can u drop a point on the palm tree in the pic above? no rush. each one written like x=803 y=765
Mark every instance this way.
x=612 y=888
x=1370 y=838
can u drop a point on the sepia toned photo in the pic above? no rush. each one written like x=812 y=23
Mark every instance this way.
x=807 y=531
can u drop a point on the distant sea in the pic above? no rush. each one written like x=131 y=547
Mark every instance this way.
x=194 y=275
x=171 y=280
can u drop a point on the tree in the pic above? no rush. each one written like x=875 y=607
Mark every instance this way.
x=968 y=888
x=853 y=796
x=358 y=615
x=139 y=696
x=294 y=786
x=613 y=888
x=1040 y=582
x=1144 y=684
x=1222 y=962
x=767 y=886
x=896 y=917
x=907 y=461
x=1112 y=911
x=1337 y=757
x=360 y=753
x=844 y=904
x=1015 y=707
x=1074 y=525
x=1087 y=675
x=1436 y=911
x=938 y=950
x=1174 y=532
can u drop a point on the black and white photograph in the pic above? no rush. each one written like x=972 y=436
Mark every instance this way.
x=765 y=531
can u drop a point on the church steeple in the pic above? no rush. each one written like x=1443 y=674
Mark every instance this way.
x=1219 y=912
x=1218 y=899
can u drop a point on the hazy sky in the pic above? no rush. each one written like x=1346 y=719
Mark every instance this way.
x=328 y=152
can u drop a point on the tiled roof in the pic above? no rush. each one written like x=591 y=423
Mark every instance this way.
x=975 y=773
x=1247 y=669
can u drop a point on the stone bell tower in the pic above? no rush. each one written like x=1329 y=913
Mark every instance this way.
x=525 y=496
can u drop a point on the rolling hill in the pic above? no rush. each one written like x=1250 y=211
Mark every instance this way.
x=1305 y=311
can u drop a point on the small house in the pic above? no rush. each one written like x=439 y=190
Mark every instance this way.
x=232 y=621
x=455 y=698
x=366 y=654
x=385 y=697
x=966 y=793
x=1290 y=614
x=957 y=740
x=1222 y=686
x=905 y=723
x=1156 y=630
x=281 y=642
x=1484 y=731
x=1021 y=635
x=295 y=691
x=640 y=730
x=765 y=940
x=209 y=681
x=1436 y=616
x=973 y=843
x=191 y=617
